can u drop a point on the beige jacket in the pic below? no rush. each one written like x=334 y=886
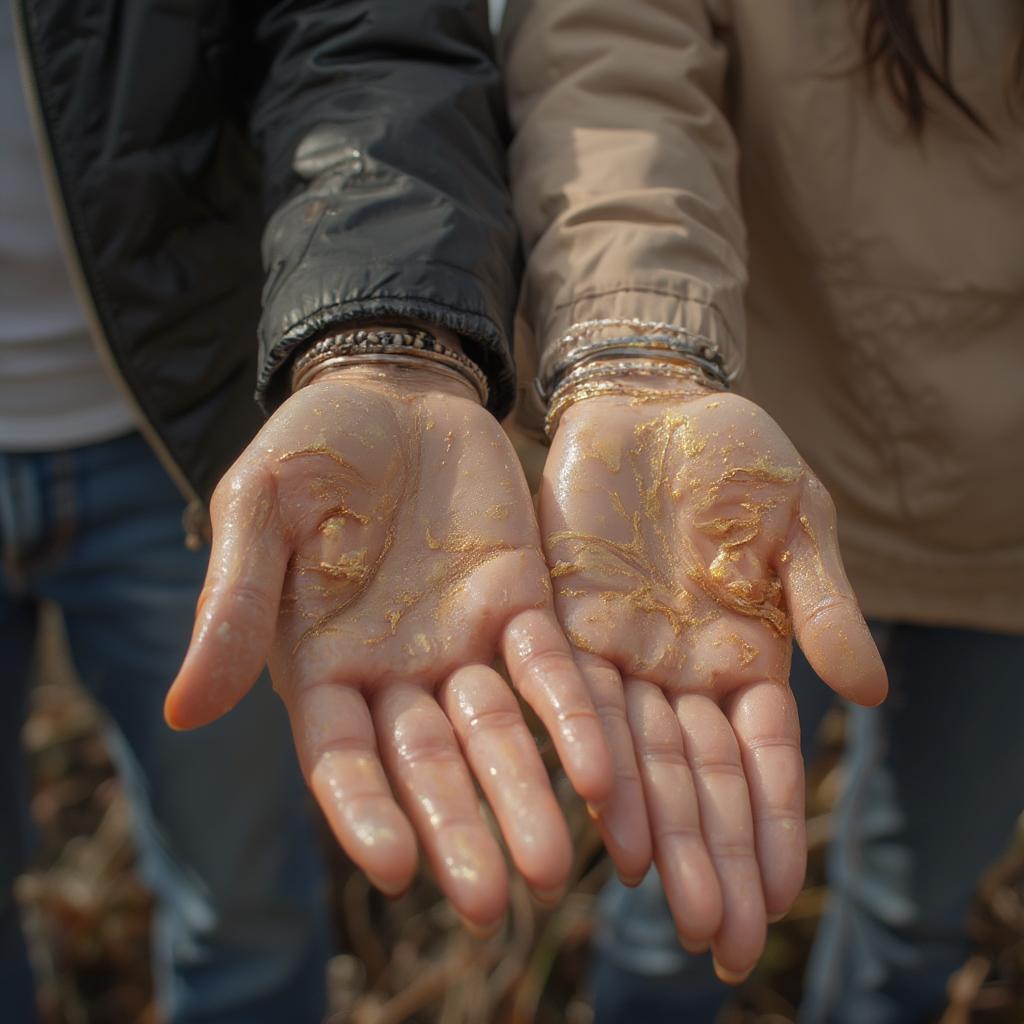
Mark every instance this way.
x=668 y=150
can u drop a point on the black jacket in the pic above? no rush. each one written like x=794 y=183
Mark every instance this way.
x=364 y=140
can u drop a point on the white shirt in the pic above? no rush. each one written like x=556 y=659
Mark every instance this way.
x=55 y=391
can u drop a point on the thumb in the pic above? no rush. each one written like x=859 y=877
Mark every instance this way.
x=827 y=620
x=237 y=610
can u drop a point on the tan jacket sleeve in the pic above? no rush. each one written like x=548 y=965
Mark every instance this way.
x=624 y=169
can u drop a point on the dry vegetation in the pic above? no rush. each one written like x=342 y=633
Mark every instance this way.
x=87 y=916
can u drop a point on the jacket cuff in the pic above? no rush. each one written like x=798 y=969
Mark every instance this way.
x=308 y=314
x=715 y=319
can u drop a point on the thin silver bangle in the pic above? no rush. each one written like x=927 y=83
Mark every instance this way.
x=648 y=338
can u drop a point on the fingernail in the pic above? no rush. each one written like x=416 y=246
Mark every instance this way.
x=631 y=881
x=390 y=889
x=592 y=811
x=549 y=897
x=731 y=977
x=775 y=918
x=482 y=931
x=693 y=948
x=624 y=839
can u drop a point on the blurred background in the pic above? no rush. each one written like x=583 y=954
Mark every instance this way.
x=88 y=917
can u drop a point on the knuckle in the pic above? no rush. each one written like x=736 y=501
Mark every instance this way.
x=782 y=743
x=613 y=716
x=732 y=849
x=229 y=485
x=606 y=693
x=328 y=749
x=676 y=830
x=660 y=753
x=579 y=716
x=369 y=804
x=711 y=768
x=449 y=820
x=626 y=774
x=784 y=816
x=538 y=664
x=820 y=498
x=251 y=599
x=431 y=750
x=493 y=719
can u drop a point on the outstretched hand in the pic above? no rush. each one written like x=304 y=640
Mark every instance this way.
x=687 y=541
x=377 y=543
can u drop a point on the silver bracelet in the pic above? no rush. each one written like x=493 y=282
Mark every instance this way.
x=596 y=339
x=403 y=346
x=626 y=377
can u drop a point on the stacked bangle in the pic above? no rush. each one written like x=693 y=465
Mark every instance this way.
x=614 y=376
x=592 y=357
x=599 y=339
x=391 y=345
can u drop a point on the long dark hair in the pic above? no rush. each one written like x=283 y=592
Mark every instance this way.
x=892 y=44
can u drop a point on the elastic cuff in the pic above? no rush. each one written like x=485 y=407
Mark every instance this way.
x=685 y=304
x=482 y=340
x=688 y=305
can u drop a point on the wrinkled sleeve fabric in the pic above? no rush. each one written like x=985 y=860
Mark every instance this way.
x=383 y=135
x=624 y=169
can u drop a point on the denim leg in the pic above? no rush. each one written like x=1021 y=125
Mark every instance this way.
x=225 y=838
x=21 y=534
x=17 y=632
x=639 y=972
x=934 y=787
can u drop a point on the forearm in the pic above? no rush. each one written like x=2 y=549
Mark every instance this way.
x=624 y=179
x=383 y=142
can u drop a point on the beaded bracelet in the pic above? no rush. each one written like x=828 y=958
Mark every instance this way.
x=399 y=345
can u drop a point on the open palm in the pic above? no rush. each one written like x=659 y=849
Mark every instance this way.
x=377 y=542
x=686 y=540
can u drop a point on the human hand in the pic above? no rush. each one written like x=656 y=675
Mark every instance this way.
x=686 y=541
x=377 y=542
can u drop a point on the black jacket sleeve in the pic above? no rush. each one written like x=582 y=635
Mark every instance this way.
x=383 y=134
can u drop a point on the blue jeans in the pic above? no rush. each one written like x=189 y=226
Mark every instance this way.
x=934 y=785
x=225 y=841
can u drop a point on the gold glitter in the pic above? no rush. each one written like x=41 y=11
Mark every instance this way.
x=660 y=570
x=350 y=567
x=747 y=651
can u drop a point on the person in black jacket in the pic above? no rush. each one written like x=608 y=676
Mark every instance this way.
x=375 y=538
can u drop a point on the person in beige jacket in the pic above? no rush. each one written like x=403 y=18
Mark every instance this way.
x=822 y=205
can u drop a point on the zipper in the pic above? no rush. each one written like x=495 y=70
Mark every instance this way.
x=195 y=519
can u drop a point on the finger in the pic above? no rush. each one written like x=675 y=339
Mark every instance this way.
x=430 y=778
x=684 y=864
x=622 y=820
x=542 y=669
x=726 y=820
x=826 y=619
x=337 y=750
x=504 y=758
x=237 y=610
x=765 y=722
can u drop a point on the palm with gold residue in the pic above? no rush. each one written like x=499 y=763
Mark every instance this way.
x=377 y=542
x=686 y=541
